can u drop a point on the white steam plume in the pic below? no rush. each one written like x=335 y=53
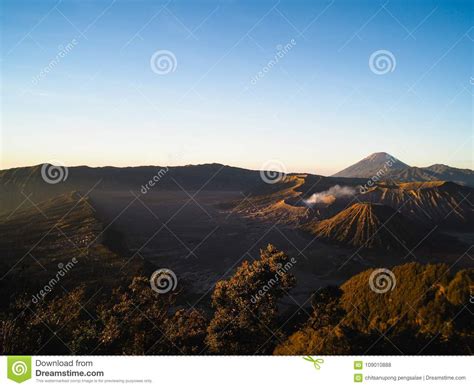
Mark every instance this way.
x=330 y=195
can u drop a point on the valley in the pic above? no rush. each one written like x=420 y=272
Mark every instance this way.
x=205 y=222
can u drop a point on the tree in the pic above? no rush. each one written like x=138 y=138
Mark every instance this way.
x=56 y=325
x=135 y=321
x=326 y=308
x=246 y=305
x=426 y=313
x=186 y=332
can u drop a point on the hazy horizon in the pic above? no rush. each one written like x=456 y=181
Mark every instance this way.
x=246 y=83
x=207 y=163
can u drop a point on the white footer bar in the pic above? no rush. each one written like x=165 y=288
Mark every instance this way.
x=235 y=371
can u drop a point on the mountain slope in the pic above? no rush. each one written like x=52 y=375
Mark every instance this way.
x=17 y=183
x=436 y=203
x=420 y=308
x=431 y=203
x=438 y=172
x=64 y=232
x=386 y=167
x=367 y=225
x=374 y=164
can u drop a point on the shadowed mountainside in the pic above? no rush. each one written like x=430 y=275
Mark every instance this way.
x=38 y=242
x=430 y=204
x=18 y=183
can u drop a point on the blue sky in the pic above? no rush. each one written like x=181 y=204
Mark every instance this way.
x=317 y=109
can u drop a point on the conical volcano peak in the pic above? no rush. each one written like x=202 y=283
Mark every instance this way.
x=372 y=165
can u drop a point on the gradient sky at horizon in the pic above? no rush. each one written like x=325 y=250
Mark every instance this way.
x=319 y=109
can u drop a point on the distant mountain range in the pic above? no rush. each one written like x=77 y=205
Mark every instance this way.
x=386 y=215
x=385 y=167
x=17 y=183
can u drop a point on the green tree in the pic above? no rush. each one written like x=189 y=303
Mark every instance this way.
x=427 y=312
x=186 y=332
x=136 y=320
x=245 y=320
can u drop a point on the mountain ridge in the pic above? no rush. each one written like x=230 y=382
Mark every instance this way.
x=382 y=166
x=374 y=164
x=367 y=225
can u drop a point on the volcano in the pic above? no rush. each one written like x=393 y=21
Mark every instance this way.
x=430 y=203
x=379 y=163
x=367 y=225
x=436 y=172
x=381 y=166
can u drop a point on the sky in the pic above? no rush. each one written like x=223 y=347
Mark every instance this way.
x=312 y=86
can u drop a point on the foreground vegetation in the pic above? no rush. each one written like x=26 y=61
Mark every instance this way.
x=428 y=312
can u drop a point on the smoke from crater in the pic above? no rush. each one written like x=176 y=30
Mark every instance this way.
x=329 y=196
